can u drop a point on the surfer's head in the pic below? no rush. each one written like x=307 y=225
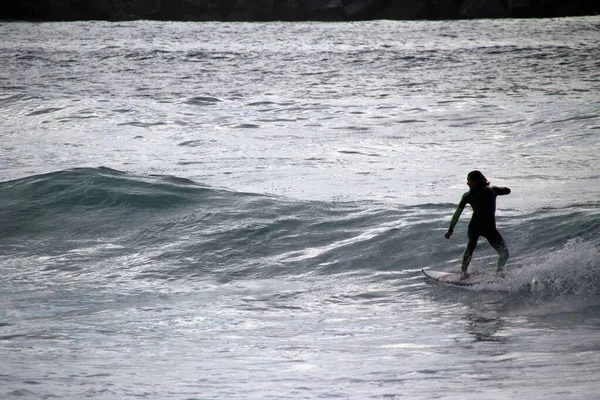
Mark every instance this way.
x=475 y=179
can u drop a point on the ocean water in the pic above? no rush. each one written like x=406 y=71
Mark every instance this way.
x=242 y=211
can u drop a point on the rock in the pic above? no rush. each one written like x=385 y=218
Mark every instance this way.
x=97 y=10
x=519 y=8
x=289 y=10
x=203 y=10
x=483 y=9
x=143 y=8
x=324 y=10
x=240 y=16
x=262 y=9
x=216 y=9
x=575 y=8
x=171 y=10
x=445 y=9
x=404 y=10
x=239 y=10
x=251 y=10
x=28 y=9
x=317 y=5
x=63 y=11
x=193 y=10
x=361 y=9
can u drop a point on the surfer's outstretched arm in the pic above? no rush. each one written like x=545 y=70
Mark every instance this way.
x=501 y=191
x=456 y=216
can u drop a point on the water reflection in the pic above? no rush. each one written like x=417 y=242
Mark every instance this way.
x=485 y=328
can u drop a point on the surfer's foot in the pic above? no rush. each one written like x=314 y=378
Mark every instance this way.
x=464 y=275
x=500 y=273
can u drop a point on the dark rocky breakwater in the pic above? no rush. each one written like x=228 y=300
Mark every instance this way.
x=289 y=10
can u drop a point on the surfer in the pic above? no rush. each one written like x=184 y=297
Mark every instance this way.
x=482 y=198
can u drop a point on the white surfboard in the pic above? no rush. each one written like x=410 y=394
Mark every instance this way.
x=450 y=278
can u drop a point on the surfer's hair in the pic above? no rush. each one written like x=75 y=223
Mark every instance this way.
x=478 y=178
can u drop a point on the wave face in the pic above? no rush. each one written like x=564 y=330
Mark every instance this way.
x=218 y=281
x=98 y=226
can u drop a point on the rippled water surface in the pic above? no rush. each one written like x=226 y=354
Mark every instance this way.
x=242 y=211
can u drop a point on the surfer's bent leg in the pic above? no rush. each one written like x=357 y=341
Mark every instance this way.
x=499 y=245
x=468 y=254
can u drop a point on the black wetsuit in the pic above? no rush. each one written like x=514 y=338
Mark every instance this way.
x=483 y=221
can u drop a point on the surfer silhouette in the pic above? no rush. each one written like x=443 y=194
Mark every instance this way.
x=482 y=198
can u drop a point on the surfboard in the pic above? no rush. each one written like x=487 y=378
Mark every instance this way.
x=451 y=278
